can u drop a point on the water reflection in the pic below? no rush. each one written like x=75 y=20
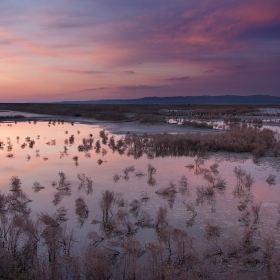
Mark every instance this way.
x=153 y=198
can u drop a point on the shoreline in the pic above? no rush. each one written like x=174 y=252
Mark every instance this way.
x=117 y=127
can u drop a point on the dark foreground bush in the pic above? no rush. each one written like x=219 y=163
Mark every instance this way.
x=43 y=248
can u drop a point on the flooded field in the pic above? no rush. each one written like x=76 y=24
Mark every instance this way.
x=79 y=175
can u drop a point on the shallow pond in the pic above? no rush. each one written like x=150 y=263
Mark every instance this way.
x=43 y=162
x=188 y=207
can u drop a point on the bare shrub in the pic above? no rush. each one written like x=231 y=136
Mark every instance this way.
x=95 y=238
x=161 y=219
x=182 y=243
x=244 y=181
x=245 y=218
x=256 y=211
x=63 y=183
x=15 y=184
x=212 y=230
x=81 y=210
x=215 y=181
x=144 y=220
x=106 y=203
x=103 y=152
x=190 y=166
x=95 y=263
x=104 y=136
x=127 y=170
x=116 y=177
x=168 y=191
x=37 y=187
x=139 y=174
x=151 y=171
x=155 y=266
x=183 y=185
x=86 y=183
x=214 y=167
x=190 y=222
x=135 y=207
x=144 y=196
x=119 y=200
x=10 y=155
x=112 y=143
x=271 y=179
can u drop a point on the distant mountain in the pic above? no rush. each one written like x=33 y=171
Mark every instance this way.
x=200 y=100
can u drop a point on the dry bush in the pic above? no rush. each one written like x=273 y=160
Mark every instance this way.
x=239 y=139
x=245 y=219
x=81 y=210
x=135 y=207
x=63 y=184
x=112 y=143
x=271 y=179
x=215 y=181
x=104 y=136
x=151 y=171
x=131 y=251
x=116 y=177
x=183 y=244
x=119 y=200
x=204 y=192
x=161 y=219
x=103 y=152
x=86 y=183
x=106 y=203
x=37 y=187
x=139 y=174
x=244 y=181
x=212 y=230
x=95 y=264
x=127 y=170
x=168 y=191
x=144 y=196
x=144 y=220
x=214 y=167
x=190 y=222
x=190 y=166
x=94 y=237
x=183 y=185
x=256 y=211
x=10 y=155
x=15 y=184
x=155 y=266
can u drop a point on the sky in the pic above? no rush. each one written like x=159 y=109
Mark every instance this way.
x=58 y=50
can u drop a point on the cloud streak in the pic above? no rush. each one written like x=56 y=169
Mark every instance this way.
x=93 y=44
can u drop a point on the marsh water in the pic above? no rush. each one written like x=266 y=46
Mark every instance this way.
x=51 y=153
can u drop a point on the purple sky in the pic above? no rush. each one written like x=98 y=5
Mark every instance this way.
x=101 y=49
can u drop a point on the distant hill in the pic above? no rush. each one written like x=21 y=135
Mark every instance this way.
x=200 y=100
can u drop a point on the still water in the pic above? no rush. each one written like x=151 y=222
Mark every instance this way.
x=52 y=153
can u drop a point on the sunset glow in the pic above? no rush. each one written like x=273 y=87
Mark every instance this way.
x=89 y=50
